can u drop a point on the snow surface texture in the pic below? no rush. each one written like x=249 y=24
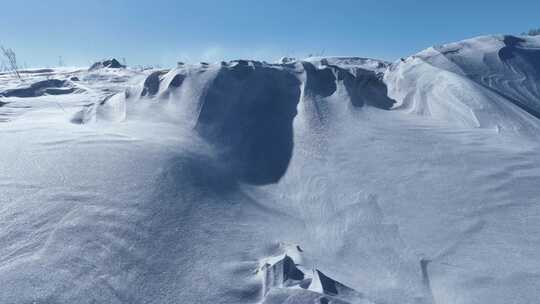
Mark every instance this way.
x=325 y=180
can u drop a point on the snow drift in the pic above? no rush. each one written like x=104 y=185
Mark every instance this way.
x=479 y=82
x=246 y=108
x=44 y=87
x=325 y=180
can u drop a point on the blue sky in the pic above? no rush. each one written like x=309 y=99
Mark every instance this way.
x=165 y=31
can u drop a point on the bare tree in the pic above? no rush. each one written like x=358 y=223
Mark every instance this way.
x=11 y=58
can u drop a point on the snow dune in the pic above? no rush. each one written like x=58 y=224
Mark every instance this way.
x=488 y=82
x=325 y=180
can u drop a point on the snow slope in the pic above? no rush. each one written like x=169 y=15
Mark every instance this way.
x=327 y=180
x=489 y=81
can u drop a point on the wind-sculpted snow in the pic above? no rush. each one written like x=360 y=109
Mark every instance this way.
x=44 y=87
x=248 y=112
x=352 y=63
x=284 y=279
x=325 y=180
x=477 y=82
x=246 y=108
x=511 y=68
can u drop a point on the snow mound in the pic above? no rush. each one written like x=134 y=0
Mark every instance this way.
x=286 y=60
x=489 y=81
x=107 y=63
x=507 y=65
x=44 y=87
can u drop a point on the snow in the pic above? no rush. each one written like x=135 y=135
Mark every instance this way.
x=477 y=82
x=410 y=182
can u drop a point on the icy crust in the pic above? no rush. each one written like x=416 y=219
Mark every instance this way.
x=489 y=81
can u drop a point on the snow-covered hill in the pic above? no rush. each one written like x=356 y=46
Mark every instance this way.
x=325 y=180
x=489 y=81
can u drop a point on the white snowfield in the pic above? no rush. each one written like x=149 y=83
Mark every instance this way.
x=325 y=180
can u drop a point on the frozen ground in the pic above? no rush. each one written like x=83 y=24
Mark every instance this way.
x=328 y=180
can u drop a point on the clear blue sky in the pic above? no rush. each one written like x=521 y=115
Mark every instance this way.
x=165 y=31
